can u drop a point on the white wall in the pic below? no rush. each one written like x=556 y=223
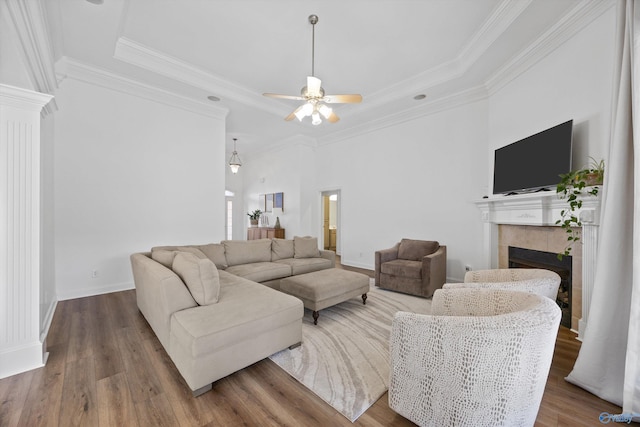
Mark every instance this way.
x=289 y=169
x=572 y=82
x=12 y=66
x=130 y=174
x=415 y=180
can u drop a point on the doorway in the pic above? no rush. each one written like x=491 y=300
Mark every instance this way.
x=330 y=219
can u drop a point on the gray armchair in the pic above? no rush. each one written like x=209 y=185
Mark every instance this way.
x=416 y=267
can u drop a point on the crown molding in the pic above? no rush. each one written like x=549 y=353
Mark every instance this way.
x=575 y=20
x=71 y=68
x=142 y=56
x=28 y=21
x=497 y=23
x=23 y=99
x=569 y=25
x=458 y=99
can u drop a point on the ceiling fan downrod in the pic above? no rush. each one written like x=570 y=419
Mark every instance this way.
x=313 y=19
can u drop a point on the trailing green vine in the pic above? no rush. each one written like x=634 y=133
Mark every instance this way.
x=573 y=186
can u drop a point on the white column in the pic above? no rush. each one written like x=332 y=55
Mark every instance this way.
x=589 y=252
x=20 y=345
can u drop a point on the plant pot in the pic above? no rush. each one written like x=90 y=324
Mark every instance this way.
x=254 y=222
x=593 y=179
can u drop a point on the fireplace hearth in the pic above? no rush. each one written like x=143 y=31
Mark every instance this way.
x=529 y=258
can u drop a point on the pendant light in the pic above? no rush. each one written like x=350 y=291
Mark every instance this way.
x=234 y=161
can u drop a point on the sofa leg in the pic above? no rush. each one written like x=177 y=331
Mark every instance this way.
x=298 y=344
x=315 y=317
x=201 y=390
x=364 y=299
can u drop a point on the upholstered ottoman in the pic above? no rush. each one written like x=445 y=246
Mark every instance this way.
x=324 y=288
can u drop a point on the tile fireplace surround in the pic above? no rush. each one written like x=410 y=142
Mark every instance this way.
x=528 y=221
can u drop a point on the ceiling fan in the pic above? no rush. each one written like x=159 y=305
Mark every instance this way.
x=313 y=94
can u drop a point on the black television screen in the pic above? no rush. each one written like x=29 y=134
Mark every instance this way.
x=535 y=162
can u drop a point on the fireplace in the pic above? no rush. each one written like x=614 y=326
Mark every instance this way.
x=528 y=258
x=529 y=221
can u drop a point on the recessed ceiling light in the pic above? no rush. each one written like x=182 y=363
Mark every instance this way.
x=420 y=97
x=213 y=98
x=96 y=1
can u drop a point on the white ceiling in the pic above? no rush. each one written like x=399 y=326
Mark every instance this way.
x=386 y=50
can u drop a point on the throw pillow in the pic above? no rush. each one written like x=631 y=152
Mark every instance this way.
x=247 y=251
x=415 y=250
x=165 y=254
x=200 y=276
x=281 y=249
x=305 y=247
x=215 y=252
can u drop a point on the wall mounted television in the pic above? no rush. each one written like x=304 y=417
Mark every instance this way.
x=533 y=163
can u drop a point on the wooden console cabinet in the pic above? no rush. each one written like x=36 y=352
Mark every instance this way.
x=254 y=233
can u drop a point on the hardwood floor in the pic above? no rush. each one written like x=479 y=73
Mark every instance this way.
x=107 y=368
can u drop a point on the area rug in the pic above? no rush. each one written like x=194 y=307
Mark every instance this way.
x=344 y=359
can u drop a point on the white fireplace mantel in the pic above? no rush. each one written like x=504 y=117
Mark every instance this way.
x=543 y=209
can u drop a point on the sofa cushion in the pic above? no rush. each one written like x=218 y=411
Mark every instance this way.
x=415 y=250
x=260 y=271
x=402 y=268
x=305 y=247
x=305 y=265
x=247 y=251
x=281 y=249
x=200 y=276
x=246 y=309
x=215 y=252
x=165 y=254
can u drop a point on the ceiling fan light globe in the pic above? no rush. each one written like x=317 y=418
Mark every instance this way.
x=300 y=115
x=315 y=119
x=307 y=109
x=325 y=111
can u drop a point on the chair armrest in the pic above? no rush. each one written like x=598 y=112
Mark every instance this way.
x=382 y=256
x=434 y=270
x=159 y=294
x=330 y=255
x=548 y=288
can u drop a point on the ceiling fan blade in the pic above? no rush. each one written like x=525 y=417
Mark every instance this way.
x=333 y=118
x=342 y=99
x=313 y=86
x=277 y=95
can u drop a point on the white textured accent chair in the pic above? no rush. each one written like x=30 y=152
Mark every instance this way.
x=481 y=358
x=533 y=280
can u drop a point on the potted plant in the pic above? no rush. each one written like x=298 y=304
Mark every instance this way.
x=574 y=186
x=254 y=217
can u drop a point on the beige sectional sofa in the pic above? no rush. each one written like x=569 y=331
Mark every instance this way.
x=216 y=308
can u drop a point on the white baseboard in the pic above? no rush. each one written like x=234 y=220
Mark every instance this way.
x=47 y=320
x=349 y=263
x=89 y=292
x=20 y=359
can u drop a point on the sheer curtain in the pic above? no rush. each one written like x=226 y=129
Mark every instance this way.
x=608 y=362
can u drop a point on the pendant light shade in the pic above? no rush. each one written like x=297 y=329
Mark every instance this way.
x=234 y=161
